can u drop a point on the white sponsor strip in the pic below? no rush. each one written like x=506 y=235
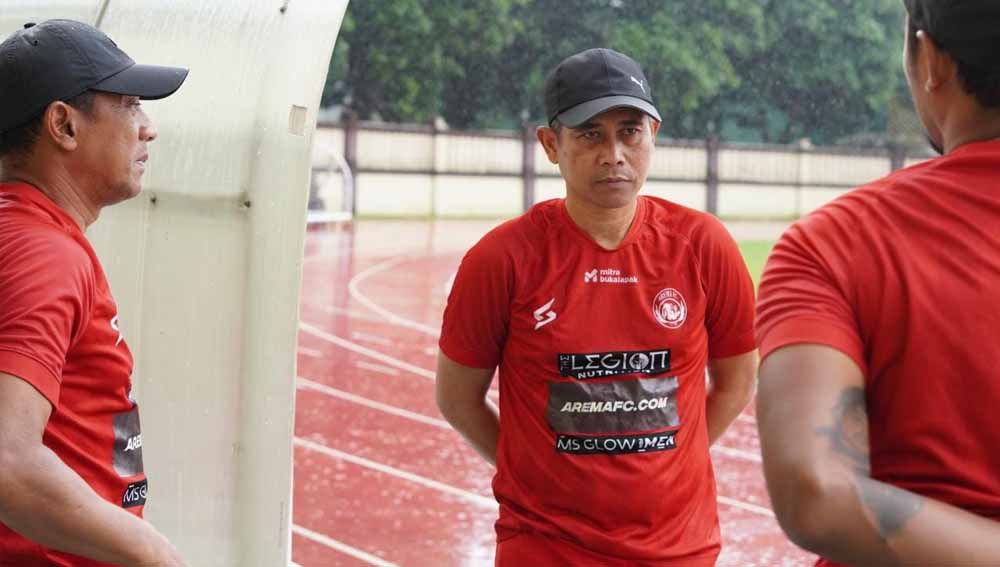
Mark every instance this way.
x=306 y=384
x=737 y=453
x=310 y=352
x=470 y=497
x=746 y=506
x=381 y=369
x=354 y=290
x=341 y=547
x=354 y=347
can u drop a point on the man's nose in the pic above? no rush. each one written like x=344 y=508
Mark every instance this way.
x=147 y=132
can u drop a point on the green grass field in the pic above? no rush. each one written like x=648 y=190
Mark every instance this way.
x=755 y=253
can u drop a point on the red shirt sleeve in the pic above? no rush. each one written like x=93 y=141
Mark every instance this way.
x=46 y=292
x=729 y=313
x=476 y=319
x=804 y=292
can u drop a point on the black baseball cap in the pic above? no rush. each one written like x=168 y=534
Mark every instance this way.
x=969 y=31
x=60 y=59
x=595 y=81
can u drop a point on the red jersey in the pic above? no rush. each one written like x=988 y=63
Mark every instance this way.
x=603 y=452
x=59 y=332
x=903 y=276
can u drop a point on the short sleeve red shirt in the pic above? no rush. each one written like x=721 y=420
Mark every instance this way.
x=59 y=333
x=903 y=276
x=602 y=356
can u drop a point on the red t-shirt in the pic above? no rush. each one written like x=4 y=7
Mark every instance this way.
x=602 y=354
x=903 y=276
x=59 y=332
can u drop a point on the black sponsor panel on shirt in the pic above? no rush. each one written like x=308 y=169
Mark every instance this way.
x=613 y=407
x=583 y=366
x=127 y=453
x=617 y=444
x=135 y=494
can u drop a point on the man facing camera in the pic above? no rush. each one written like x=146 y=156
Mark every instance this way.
x=602 y=312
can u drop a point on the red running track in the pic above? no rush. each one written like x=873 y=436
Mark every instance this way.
x=380 y=478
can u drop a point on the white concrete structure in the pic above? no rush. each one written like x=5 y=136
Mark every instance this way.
x=206 y=263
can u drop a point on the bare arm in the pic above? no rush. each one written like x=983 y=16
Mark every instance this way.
x=814 y=438
x=461 y=397
x=47 y=502
x=731 y=385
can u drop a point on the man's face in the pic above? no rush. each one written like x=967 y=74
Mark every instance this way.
x=113 y=147
x=605 y=160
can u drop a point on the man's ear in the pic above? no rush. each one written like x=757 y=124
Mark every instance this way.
x=549 y=139
x=937 y=66
x=61 y=124
x=654 y=126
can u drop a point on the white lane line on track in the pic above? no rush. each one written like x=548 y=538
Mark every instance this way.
x=354 y=291
x=493 y=394
x=470 y=497
x=341 y=547
x=430 y=375
x=354 y=347
x=306 y=384
x=450 y=284
x=753 y=508
x=381 y=369
x=737 y=453
x=310 y=352
x=366 y=337
x=332 y=310
x=464 y=494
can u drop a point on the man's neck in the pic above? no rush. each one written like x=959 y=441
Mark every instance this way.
x=55 y=184
x=608 y=227
x=968 y=124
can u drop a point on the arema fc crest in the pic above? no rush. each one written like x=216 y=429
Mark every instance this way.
x=669 y=308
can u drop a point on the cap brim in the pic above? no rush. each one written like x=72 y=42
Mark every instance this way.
x=148 y=82
x=585 y=111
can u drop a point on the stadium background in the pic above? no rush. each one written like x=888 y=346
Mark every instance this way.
x=407 y=135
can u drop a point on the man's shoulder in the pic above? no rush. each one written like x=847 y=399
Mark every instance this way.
x=29 y=236
x=854 y=214
x=515 y=236
x=679 y=221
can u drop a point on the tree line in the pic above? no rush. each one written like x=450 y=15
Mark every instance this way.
x=772 y=71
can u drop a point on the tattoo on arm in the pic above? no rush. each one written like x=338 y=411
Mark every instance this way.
x=891 y=507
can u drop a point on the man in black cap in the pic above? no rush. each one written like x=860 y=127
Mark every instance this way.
x=878 y=326
x=73 y=139
x=602 y=311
